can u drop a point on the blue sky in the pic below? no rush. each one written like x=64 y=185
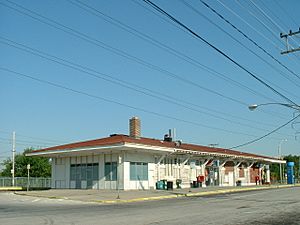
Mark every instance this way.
x=204 y=107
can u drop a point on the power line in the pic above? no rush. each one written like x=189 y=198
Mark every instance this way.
x=31 y=137
x=250 y=39
x=118 y=103
x=145 y=91
x=157 y=8
x=262 y=23
x=286 y=13
x=253 y=28
x=274 y=15
x=119 y=52
x=271 y=132
x=249 y=25
x=25 y=141
x=280 y=29
x=117 y=82
x=249 y=49
x=160 y=45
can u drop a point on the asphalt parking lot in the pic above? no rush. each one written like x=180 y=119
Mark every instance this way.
x=274 y=206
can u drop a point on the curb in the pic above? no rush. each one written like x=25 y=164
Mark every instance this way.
x=237 y=190
x=207 y=193
x=197 y=194
x=11 y=188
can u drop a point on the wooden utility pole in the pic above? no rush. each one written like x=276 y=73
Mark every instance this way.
x=13 y=158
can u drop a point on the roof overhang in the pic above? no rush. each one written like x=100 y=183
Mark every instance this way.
x=113 y=148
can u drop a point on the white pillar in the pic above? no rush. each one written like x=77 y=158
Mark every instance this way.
x=235 y=173
x=268 y=177
x=249 y=165
x=220 y=170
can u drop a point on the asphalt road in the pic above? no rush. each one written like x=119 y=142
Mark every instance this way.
x=277 y=206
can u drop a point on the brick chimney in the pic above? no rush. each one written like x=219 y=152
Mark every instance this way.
x=135 y=127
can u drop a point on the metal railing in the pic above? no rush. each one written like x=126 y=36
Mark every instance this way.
x=34 y=182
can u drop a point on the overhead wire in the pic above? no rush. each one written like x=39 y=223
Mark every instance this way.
x=246 y=47
x=49 y=83
x=279 y=28
x=286 y=13
x=157 y=8
x=266 y=135
x=263 y=24
x=26 y=141
x=119 y=52
x=218 y=129
x=250 y=39
x=249 y=25
x=137 y=88
x=160 y=45
x=255 y=29
x=145 y=91
x=31 y=137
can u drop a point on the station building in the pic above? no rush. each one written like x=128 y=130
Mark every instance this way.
x=131 y=162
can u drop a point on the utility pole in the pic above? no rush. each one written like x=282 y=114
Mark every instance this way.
x=279 y=157
x=288 y=46
x=13 y=158
x=299 y=170
x=28 y=176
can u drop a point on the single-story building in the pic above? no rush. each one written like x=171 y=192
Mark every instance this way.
x=133 y=162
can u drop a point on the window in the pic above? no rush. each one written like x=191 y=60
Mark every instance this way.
x=73 y=172
x=138 y=171
x=84 y=171
x=111 y=171
x=95 y=171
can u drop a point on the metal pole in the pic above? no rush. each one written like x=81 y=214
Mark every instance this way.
x=13 y=158
x=28 y=168
x=279 y=156
x=299 y=170
x=280 y=171
x=118 y=176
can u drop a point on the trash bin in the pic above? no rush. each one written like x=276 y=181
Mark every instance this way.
x=199 y=184
x=159 y=185
x=239 y=183
x=178 y=183
x=170 y=185
x=195 y=184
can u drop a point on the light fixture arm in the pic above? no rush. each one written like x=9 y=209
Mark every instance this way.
x=292 y=106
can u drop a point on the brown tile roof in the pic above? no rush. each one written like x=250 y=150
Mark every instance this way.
x=121 y=139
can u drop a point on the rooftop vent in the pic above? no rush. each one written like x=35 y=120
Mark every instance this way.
x=168 y=137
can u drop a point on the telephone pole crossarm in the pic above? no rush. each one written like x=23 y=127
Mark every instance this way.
x=286 y=36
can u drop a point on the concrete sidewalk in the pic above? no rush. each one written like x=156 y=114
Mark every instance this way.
x=111 y=196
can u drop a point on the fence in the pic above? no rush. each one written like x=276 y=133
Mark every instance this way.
x=34 y=182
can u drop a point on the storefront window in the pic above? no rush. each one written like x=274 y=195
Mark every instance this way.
x=138 y=171
x=111 y=171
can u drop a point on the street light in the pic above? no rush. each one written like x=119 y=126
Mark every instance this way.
x=293 y=106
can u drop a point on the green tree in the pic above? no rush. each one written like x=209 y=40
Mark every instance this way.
x=295 y=159
x=39 y=166
x=289 y=158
